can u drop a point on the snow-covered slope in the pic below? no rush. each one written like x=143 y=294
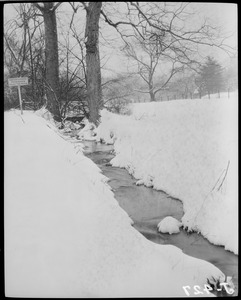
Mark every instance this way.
x=66 y=235
x=188 y=148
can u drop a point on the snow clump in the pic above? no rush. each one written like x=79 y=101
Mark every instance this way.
x=169 y=225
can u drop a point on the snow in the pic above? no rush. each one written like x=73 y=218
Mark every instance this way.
x=66 y=235
x=189 y=149
x=169 y=225
x=87 y=133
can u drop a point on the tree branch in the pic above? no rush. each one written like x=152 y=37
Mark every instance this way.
x=56 y=6
x=224 y=176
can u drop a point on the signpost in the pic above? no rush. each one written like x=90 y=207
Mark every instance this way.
x=19 y=81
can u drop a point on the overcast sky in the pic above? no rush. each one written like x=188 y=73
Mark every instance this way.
x=221 y=14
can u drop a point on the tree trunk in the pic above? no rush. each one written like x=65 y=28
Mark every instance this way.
x=52 y=59
x=33 y=84
x=151 y=93
x=93 y=73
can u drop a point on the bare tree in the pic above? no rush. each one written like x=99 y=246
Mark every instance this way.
x=17 y=37
x=23 y=48
x=148 y=55
x=48 y=11
x=72 y=84
x=93 y=73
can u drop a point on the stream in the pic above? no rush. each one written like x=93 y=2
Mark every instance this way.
x=147 y=207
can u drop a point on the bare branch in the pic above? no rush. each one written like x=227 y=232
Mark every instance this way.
x=226 y=171
x=115 y=25
x=56 y=5
x=41 y=8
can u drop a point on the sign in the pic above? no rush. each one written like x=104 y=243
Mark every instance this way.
x=18 y=81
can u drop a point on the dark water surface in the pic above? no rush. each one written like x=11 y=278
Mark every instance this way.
x=147 y=207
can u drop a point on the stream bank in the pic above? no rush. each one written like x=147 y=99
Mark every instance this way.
x=147 y=207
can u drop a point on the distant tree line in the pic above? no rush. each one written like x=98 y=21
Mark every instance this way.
x=210 y=78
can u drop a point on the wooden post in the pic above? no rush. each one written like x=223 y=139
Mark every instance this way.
x=20 y=99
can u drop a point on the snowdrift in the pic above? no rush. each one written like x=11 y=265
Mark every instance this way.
x=188 y=148
x=66 y=235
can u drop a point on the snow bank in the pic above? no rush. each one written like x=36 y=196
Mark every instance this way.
x=188 y=148
x=87 y=133
x=66 y=235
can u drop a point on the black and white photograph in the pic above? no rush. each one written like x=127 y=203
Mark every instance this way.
x=120 y=149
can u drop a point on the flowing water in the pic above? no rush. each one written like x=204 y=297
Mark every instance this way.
x=147 y=207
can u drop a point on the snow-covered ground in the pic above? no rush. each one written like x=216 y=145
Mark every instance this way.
x=66 y=235
x=189 y=149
